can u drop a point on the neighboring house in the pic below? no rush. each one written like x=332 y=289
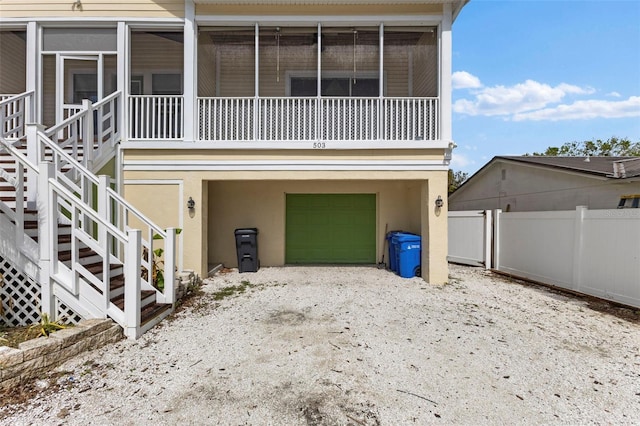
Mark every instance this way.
x=529 y=183
x=320 y=122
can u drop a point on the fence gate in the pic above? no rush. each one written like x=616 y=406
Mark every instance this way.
x=470 y=236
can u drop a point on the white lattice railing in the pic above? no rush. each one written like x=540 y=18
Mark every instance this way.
x=156 y=117
x=15 y=111
x=312 y=119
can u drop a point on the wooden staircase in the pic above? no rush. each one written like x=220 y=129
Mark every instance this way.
x=91 y=261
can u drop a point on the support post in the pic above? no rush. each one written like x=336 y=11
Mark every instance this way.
x=46 y=236
x=496 y=239
x=435 y=269
x=103 y=237
x=445 y=74
x=190 y=67
x=132 y=286
x=87 y=134
x=32 y=77
x=34 y=157
x=170 y=266
x=578 y=232
x=488 y=239
x=121 y=118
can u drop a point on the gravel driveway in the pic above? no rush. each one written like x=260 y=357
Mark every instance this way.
x=359 y=346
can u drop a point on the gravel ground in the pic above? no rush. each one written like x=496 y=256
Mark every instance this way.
x=359 y=346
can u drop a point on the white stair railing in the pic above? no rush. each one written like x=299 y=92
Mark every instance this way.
x=65 y=193
x=15 y=112
x=77 y=179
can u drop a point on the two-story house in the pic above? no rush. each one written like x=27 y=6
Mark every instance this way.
x=322 y=123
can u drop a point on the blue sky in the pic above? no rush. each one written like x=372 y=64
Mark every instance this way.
x=533 y=74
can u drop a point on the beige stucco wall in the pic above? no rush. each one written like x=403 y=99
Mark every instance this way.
x=92 y=8
x=226 y=200
x=261 y=204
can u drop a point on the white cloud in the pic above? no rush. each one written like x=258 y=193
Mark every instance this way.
x=464 y=80
x=582 y=110
x=614 y=94
x=507 y=100
x=459 y=161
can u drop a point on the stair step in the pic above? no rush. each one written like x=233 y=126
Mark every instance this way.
x=147 y=298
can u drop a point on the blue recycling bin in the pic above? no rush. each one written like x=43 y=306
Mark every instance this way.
x=409 y=253
x=393 y=259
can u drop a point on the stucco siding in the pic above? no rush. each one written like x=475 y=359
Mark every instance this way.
x=92 y=8
x=261 y=204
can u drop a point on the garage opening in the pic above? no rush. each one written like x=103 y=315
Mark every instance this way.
x=330 y=228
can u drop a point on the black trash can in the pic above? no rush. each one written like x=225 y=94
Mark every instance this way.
x=247 y=249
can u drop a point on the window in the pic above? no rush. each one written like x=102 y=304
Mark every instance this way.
x=336 y=86
x=166 y=84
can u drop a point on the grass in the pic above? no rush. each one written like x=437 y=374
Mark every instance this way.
x=230 y=291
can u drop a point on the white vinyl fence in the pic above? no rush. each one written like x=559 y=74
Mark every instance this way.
x=470 y=238
x=595 y=252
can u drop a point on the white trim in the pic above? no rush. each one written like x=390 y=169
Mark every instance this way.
x=32 y=68
x=67 y=21
x=444 y=74
x=306 y=20
x=190 y=72
x=304 y=145
x=285 y=165
x=180 y=184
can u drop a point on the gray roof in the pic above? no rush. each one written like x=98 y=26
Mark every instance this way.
x=600 y=166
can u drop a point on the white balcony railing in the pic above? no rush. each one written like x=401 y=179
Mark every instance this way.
x=156 y=117
x=310 y=119
x=287 y=119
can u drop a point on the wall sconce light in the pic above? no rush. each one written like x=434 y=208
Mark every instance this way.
x=77 y=5
x=191 y=204
x=439 y=202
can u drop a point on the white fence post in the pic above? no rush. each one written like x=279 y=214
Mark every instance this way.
x=132 y=286
x=33 y=155
x=578 y=246
x=496 y=239
x=103 y=236
x=170 y=266
x=488 y=239
x=87 y=135
x=46 y=221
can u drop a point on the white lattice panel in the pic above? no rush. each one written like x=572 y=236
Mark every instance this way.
x=20 y=299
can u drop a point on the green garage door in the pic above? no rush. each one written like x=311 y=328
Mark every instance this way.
x=331 y=228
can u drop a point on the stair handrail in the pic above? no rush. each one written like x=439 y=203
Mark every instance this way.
x=22 y=165
x=80 y=127
x=130 y=240
x=12 y=122
x=123 y=209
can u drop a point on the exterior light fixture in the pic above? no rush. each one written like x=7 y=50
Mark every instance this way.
x=439 y=202
x=77 y=4
x=191 y=204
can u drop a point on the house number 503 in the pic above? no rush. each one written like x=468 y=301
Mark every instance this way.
x=319 y=145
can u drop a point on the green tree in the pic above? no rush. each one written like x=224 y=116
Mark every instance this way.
x=456 y=179
x=612 y=147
